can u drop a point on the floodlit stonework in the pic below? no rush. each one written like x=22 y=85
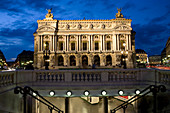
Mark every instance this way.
x=82 y=43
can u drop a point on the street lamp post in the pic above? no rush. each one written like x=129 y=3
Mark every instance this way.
x=46 y=58
x=124 y=58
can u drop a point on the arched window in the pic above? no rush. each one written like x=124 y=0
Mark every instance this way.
x=84 y=60
x=108 y=60
x=72 y=60
x=60 y=61
x=97 y=60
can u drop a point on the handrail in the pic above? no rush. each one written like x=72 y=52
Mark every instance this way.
x=152 y=88
x=26 y=90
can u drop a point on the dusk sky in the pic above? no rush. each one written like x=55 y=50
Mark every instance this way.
x=18 y=22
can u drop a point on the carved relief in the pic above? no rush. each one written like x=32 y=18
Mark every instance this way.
x=67 y=27
x=61 y=26
x=122 y=28
x=79 y=26
x=118 y=58
x=103 y=26
x=91 y=26
x=46 y=29
x=85 y=25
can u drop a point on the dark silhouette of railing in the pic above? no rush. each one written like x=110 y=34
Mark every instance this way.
x=29 y=91
x=152 y=88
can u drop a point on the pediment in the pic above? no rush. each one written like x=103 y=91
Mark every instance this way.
x=46 y=28
x=122 y=27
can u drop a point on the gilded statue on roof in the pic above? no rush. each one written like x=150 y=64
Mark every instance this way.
x=49 y=14
x=119 y=14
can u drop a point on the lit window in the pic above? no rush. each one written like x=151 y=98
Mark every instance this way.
x=46 y=46
x=122 y=45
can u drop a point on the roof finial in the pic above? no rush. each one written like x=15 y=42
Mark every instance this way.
x=84 y=18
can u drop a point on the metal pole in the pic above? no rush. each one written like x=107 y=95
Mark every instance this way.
x=51 y=110
x=154 y=102
x=25 y=98
x=124 y=109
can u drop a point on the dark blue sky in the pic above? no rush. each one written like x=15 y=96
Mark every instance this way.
x=18 y=22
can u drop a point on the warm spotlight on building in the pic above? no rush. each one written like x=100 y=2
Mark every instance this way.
x=120 y=92
x=52 y=93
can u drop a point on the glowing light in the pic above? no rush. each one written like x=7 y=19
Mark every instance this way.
x=52 y=93
x=137 y=91
x=69 y=93
x=121 y=92
x=126 y=52
x=34 y=94
x=122 y=52
x=86 y=93
x=124 y=44
x=104 y=92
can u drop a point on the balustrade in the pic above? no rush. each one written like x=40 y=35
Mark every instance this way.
x=50 y=76
x=86 y=76
x=107 y=76
x=164 y=77
x=122 y=76
x=6 y=79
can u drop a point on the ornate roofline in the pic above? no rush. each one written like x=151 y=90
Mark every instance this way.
x=117 y=19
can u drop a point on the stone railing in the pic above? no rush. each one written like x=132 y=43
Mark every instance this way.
x=50 y=76
x=129 y=75
x=164 y=77
x=6 y=78
x=89 y=76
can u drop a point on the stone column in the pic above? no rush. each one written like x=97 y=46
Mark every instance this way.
x=77 y=42
x=102 y=60
x=90 y=59
x=66 y=58
x=118 y=42
x=127 y=42
x=101 y=44
x=130 y=45
x=53 y=42
x=104 y=43
x=92 y=43
x=67 y=43
x=39 y=43
x=89 y=40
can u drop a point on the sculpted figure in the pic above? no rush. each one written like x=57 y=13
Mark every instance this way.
x=49 y=14
x=119 y=14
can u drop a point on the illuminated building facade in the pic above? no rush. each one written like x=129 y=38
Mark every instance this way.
x=24 y=59
x=141 y=56
x=83 y=43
